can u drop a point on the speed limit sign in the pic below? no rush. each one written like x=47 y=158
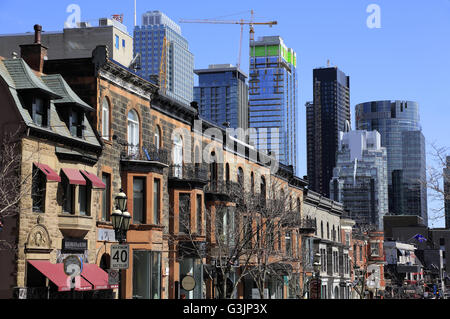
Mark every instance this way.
x=120 y=256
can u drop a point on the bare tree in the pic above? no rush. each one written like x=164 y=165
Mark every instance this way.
x=13 y=184
x=245 y=235
x=437 y=174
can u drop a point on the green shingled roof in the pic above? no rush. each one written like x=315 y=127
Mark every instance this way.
x=57 y=83
x=25 y=79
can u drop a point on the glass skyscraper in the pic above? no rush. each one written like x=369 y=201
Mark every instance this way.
x=222 y=95
x=273 y=98
x=401 y=133
x=326 y=116
x=360 y=177
x=148 y=41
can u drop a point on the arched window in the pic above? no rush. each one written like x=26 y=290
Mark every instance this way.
x=336 y=292
x=105 y=119
x=263 y=191
x=252 y=182
x=227 y=174
x=157 y=137
x=213 y=171
x=333 y=234
x=133 y=133
x=240 y=177
x=328 y=230
x=178 y=156
x=321 y=229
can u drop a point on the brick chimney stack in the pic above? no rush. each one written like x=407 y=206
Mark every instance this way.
x=34 y=54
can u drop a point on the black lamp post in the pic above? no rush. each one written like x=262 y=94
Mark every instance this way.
x=316 y=267
x=120 y=218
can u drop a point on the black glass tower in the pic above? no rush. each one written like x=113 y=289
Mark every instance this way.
x=326 y=116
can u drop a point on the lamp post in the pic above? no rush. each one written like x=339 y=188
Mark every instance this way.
x=120 y=219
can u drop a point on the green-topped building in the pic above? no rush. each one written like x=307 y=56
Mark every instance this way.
x=273 y=98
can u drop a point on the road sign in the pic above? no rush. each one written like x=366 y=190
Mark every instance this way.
x=113 y=277
x=120 y=256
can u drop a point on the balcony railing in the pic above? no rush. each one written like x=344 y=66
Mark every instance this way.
x=146 y=153
x=308 y=225
x=196 y=172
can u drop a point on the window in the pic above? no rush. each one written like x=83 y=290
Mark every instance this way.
x=76 y=123
x=347 y=239
x=288 y=243
x=178 y=156
x=84 y=200
x=38 y=109
x=138 y=200
x=158 y=137
x=374 y=249
x=106 y=209
x=240 y=177
x=117 y=42
x=225 y=224
x=199 y=213
x=68 y=196
x=38 y=190
x=355 y=256
x=105 y=119
x=156 y=201
x=123 y=43
x=133 y=133
x=252 y=183
x=360 y=253
x=146 y=274
x=184 y=213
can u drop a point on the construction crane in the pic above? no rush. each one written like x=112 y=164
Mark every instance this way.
x=241 y=22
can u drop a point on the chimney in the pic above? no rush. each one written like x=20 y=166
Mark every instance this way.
x=34 y=54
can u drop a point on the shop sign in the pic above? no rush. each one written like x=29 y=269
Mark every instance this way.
x=74 y=244
x=188 y=283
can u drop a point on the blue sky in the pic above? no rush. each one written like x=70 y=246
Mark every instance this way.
x=407 y=58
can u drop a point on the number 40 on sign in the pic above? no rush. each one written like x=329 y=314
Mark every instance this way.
x=120 y=256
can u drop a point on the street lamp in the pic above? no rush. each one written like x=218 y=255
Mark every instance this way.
x=120 y=218
x=316 y=266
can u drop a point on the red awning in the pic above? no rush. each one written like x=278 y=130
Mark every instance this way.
x=74 y=176
x=96 y=276
x=55 y=272
x=51 y=174
x=96 y=182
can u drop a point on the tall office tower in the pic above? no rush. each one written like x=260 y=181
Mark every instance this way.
x=399 y=125
x=149 y=40
x=447 y=193
x=360 y=177
x=78 y=42
x=273 y=98
x=222 y=95
x=326 y=116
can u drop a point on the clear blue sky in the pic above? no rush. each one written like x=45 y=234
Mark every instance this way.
x=407 y=58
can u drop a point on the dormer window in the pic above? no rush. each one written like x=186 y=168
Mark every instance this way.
x=76 y=123
x=38 y=108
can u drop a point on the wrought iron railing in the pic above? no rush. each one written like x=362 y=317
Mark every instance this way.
x=197 y=172
x=145 y=153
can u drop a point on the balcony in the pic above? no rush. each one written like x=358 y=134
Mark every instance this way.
x=193 y=175
x=307 y=226
x=147 y=158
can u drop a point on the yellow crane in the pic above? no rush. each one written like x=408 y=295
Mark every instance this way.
x=241 y=22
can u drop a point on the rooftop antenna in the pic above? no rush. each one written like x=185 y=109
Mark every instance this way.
x=135 y=21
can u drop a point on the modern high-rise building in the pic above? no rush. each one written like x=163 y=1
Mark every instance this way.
x=360 y=177
x=222 y=95
x=326 y=116
x=148 y=41
x=447 y=193
x=273 y=98
x=399 y=125
x=79 y=42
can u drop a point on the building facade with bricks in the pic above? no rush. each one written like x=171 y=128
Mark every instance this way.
x=178 y=171
x=56 y=195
